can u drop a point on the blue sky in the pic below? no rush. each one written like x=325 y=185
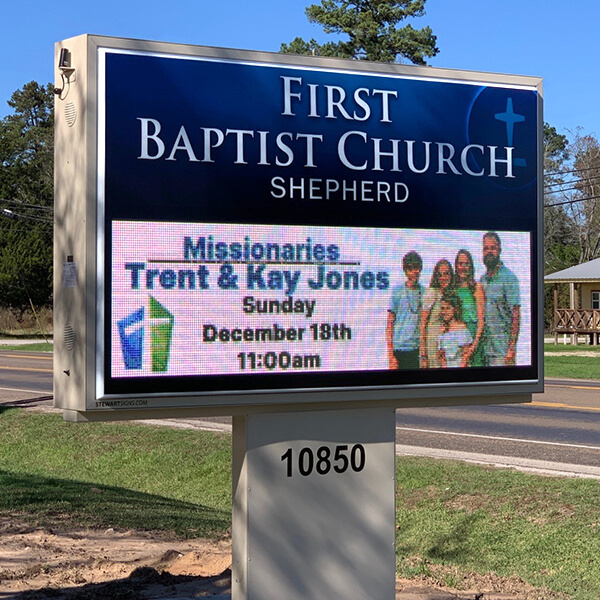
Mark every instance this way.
x=528 y=37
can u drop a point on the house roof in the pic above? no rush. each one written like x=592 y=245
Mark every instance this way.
x=589 y=271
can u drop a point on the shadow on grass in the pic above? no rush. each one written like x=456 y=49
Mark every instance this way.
x=453 y=547
x=456 y=546
x=49 y=502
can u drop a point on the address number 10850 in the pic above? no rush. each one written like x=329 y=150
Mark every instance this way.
x=324 y=460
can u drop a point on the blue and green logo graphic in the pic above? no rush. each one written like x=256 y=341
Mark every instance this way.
x=132 y=330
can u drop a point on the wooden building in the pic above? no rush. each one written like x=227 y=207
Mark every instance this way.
x=583 y=315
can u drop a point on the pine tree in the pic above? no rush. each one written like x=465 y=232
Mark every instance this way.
x=372 y=31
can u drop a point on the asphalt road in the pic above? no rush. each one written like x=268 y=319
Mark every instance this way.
x=29 y=371
x=558 y=433
x=543 y=437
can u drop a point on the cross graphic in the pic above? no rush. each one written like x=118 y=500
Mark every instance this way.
x=511 y=118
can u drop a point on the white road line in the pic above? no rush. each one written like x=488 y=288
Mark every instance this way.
x=540 y=467
x=502 y=439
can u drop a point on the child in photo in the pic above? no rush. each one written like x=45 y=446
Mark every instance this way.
x=430 y=325
x=402 y=331
x=455 y=338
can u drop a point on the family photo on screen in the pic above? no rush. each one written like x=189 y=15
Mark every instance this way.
x=456 y=320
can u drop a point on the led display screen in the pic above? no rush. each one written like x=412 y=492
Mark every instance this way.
x=206 y=299
x=274 y=227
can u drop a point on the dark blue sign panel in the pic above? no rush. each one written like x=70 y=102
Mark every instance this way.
x=269 y=227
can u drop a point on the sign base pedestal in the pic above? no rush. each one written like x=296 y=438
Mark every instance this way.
x=313 y=505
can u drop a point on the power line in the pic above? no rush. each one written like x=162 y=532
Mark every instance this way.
x=9 y=214
x=564 y=190
x=571 y=201
x=571 y=182
x=567 y=172
x=22 y=230
x=26 y=205
x=38 y=219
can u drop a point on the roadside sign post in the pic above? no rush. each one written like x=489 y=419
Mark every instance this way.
x=313 y=509
x=258 y=235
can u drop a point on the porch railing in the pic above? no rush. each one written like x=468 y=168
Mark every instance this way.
x=570 y=320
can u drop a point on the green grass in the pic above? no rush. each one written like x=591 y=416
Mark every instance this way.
x=33 y=347
x=476 y=519
x=573 y=367
x=569 y=348
x=114 y=475
x=452 y=518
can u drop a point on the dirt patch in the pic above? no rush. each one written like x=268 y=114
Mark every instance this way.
x=471 y=586
x=412 y=498
x=79 y=564
x=111 y=564
x=468 y=503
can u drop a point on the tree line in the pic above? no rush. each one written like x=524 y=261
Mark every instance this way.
x=26 y=198
x=363 y=30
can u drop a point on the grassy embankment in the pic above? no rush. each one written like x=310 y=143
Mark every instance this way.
x=573 y=362
x=33 y=347
x=452 y=518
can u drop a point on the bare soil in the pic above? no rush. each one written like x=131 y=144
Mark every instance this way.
x=39 y=563
x=108 y=565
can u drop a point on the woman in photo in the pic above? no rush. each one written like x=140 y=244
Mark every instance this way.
x=429 y=327
x=455 y=338
x=472 y=299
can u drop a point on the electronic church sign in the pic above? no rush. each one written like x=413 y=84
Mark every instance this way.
x=263 y=228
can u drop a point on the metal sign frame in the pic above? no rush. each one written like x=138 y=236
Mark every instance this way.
x=81 y=319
